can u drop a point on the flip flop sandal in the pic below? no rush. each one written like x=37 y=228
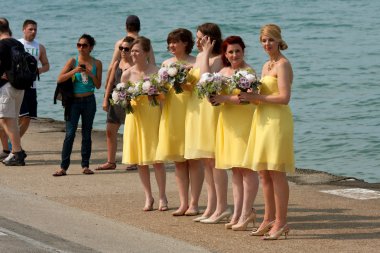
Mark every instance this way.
x=109 y=166
x=87 y=171
x=59 y=173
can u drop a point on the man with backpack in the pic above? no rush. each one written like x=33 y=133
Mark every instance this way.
x=10 y=97
x=38 y=51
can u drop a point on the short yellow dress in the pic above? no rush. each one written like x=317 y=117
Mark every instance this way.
x=270 y=144
x=140 y=137
x=234 y=125
x=171 y=144
x=201 y=121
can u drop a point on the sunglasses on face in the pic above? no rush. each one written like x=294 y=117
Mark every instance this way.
x=125 y=49
x=80 y=45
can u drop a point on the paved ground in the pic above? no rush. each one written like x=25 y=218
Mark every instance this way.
x=102 y=212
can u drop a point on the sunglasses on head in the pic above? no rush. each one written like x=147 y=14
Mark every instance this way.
x=125 y=49
x=84 y=45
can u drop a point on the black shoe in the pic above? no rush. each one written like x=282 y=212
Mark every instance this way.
x=17 y=160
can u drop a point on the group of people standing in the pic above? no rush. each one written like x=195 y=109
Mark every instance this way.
x=18 y=107
x=248 y=132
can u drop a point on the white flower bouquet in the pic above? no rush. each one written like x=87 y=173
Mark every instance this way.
x=174 y=74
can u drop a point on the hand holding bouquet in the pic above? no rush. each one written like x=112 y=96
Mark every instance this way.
x=151 y=87
x=122 y=95
x=209 y=85
x=244 y=80
x=174 y=74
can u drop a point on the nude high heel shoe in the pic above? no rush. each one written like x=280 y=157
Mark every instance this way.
x=230 y=224
x=198 y=219
x=225 y=215
x=275 y=236
x=263 y=231
x=243 y=226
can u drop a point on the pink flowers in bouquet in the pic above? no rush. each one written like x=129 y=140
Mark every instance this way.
x=209 y=84
x=122 y=95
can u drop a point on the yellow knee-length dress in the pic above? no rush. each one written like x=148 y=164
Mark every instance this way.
x=171 y=144
x=140 y=137
x=200 y=130
x=232 y=133
x=270 y=144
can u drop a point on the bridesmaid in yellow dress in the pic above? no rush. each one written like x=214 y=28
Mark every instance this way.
x=201 y=115
x=141 y=127
x=233 y=130
x=171 y=145
x=270 y=145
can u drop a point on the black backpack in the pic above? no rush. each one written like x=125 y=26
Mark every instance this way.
x=24 y=68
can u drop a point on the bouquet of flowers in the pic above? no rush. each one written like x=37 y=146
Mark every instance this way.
x=122 y=95
x=209 y=84
x=152 y=87
x=244 y=80
x=174 y=74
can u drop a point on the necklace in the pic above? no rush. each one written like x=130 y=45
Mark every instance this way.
x=272 y=63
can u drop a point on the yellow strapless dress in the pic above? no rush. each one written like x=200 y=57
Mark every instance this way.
x=234 y=125
x=171 y=144
x=270 y=144
x=140 y=137
x=201 y=121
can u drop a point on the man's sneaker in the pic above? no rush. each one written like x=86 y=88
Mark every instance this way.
x=9 y=157
x=4 y=155
x=17 y=159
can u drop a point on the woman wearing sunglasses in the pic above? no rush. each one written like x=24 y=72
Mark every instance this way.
x=115 y=113
x=86 y=72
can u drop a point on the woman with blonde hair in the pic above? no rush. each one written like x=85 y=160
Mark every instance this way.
x=141 y=127
x=270 y=145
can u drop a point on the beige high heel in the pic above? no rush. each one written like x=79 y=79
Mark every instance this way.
x=275 y=236
x=198 y=219
x=225 y=215
x=230 y=224
x=263 y=231
x=243 y=226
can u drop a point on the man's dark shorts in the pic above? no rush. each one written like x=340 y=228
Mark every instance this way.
x=29 y=104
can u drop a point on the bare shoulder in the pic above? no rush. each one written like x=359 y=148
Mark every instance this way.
x=168 y=61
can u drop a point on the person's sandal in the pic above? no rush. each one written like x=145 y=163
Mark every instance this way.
x=107 y=166
x=60 y=173
x=87 y=171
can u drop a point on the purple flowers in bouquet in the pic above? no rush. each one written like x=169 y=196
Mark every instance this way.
x=122 y=95
x=209 y=84
x=244 y=80
x=174 y=74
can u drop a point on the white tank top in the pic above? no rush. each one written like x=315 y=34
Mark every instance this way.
x=32 y=48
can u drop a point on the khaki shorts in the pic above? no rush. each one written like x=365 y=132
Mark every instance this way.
x=10 y=101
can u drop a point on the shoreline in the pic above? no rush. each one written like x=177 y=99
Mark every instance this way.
x=302 y=176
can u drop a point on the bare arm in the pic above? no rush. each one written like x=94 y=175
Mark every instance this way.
x=68 y=71
x=284 y=82
x=109 y=86
x=97 y=79
x=116 y=56
x=44 y=60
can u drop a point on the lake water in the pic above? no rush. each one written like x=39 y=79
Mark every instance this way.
x=333 y=46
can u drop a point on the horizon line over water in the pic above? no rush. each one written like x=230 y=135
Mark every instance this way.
x=332 y=48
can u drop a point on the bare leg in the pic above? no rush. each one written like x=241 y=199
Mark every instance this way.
x=11 y=129
x=281 y=199
x=270 y=208
x=145 y=180
x=250 y=183
x=196 y=181
x=160 y=173
x=237 y=190
x=221 y=186
x=4 y=139
x=182 y=178
x=112 y=141
x=209 y=165
x=24 y=123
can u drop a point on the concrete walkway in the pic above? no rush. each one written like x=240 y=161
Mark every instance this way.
x=102 y=212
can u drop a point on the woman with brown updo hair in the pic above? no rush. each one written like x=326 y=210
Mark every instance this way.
x=270 y=145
